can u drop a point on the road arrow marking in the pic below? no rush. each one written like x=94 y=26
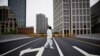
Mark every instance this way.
x=31 y=50
x=40 y=51
x=19 y=47
x=83 y=52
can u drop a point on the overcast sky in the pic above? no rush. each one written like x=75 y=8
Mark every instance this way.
x=39 y=6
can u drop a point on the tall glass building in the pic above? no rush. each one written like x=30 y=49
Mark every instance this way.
x=72 y=17
x=19 y=9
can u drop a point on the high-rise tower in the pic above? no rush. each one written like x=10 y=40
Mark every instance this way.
x=72 y=17
x=19 y=9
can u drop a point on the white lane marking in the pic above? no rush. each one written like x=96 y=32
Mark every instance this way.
x=40 y=51
x=29 y=50
x=83 y=52
x=59 y=50
x=18 y=47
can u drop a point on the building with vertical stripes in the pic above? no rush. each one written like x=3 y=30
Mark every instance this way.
x=72 y=16
x=41 y=23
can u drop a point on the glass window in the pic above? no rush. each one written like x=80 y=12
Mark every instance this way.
x=88 y=18
x=73 y=12
x=84 y=5
x=76 y=5
x=88 y=12
x=73 y=5
x=80 y=18
x=87 y=5
x=84 y=18
x=66 y=12
x=84 y=11
x=80 y=11
x=73 y=25
x=73 y=18
x=66 y=0
x=77 y=18
x=77 y=12
x=80 y=4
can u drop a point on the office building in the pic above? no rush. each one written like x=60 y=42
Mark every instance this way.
x=72 y=17
x=19 y=9
x=95 y=17
x=7 y=21
x=41 y=23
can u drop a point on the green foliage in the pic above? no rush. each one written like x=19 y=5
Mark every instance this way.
x=11 y=32
x=55 y=32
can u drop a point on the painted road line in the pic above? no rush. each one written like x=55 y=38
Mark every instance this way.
x=83 y=52
x=19 y=47
x=88 y=43
x=28 y=50
x=59 y=50
x=41 y=51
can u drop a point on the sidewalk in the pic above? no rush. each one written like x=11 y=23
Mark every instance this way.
x=5 y=38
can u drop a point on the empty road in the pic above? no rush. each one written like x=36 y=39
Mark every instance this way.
x=62 y=47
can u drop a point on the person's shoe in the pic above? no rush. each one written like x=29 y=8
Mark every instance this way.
x=51 y=47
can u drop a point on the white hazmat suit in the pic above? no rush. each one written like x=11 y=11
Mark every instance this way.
x=49 y=39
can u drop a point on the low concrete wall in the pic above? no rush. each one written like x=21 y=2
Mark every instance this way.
x=5 y=38
x=90 y=36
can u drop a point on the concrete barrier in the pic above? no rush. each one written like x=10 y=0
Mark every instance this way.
x=90 y=36
x=5 y=38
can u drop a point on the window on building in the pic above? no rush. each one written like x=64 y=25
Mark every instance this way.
x=88 y=12
x=77 y=18
x=66 y=0
x=73 y=25
x=74 y=32
x=84 y=25
x=84 y=18
x=84 y=5
x=85 y=31
x=66 y=12
x=88 y=18
x=73 y=5
x=81 y=18
x=77 y=31
x=73 y=12
x=73 y=18
x=80 y=11
x=81 y=31
x=76 y=5
x=80 y=4
x=84 y=11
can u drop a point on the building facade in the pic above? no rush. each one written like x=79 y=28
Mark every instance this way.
x=41 y=23
x=7 y=21
x=27 y=30
x=72 y=17
x=95 y=15
x=19 y=9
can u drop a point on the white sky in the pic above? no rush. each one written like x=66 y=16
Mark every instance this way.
x=39 y=6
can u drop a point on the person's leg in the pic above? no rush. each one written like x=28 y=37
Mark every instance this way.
x=51 y=44
x=47 y=42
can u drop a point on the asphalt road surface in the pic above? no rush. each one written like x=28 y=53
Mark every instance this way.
x=62 y=47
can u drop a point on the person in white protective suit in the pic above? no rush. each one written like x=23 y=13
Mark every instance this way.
x=49 y=38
